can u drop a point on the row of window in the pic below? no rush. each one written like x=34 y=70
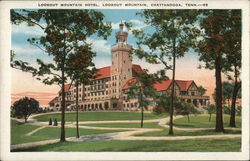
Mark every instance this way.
x=131 y=105
x=185 y=93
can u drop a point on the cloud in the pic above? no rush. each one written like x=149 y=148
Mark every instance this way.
x=99 y=46
x=25 y=49
x=136 y=24
x=27 y=30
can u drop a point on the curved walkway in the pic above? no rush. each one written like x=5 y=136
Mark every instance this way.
x=126 y=135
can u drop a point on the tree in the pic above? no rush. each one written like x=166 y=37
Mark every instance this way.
x=211 y=109
x=233 y=63
x=25 y=107
x=80 y=69
x=215 y=25
x=64 y=31
x=188 y=108
x=163 y=103
x=202 y=90
x=172 y=33
x=227 y=90
x=141 y=88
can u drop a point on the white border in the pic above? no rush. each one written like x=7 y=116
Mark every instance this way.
x=5 y=83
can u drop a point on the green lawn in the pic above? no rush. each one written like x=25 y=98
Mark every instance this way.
x=164 y=132
x=201 y=121
x=126 y=125
x=198 y=145
x=100 y=116
x=18 y=131
x=53 y=132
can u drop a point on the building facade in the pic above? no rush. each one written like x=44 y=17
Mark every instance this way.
x=107 y=90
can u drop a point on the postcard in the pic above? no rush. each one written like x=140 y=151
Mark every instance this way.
x=124 y=80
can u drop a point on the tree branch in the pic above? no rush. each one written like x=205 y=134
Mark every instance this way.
x=30 y=21
x=39 y=47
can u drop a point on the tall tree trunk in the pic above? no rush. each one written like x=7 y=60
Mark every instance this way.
x=171 y=132
x=77 y=125
x=142 y=116
x=62 y=139
x=188 y=117
x=237 y=86
x=141 y=108
x=210 y=115
x=219 y=118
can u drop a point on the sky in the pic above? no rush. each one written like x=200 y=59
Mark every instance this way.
x=186 y=67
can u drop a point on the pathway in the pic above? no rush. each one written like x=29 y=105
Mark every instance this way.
x=126 y=135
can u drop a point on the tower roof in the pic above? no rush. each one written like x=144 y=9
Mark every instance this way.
x=121 y=26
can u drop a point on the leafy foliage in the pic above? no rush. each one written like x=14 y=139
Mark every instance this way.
x=221 y=36
x=211 y=109
x=24 y=107
x=142 y=89
x=173 y=33
x=65 y=34
x=202 y=90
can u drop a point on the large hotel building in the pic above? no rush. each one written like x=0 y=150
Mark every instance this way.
x=107 y=90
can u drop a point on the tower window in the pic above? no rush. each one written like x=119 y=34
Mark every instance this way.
x=124 y=61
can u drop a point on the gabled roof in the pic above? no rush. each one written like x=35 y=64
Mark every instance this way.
x=54 y=100
x=66 y=88
x=128 y=83
x=184 y=85
x=163 y=85
x=136 y=69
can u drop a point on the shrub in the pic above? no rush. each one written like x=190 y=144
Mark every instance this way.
x=55 y=122
x=50 y=121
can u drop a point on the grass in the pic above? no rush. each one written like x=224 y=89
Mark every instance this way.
x=54 y=132
x=164 y=132
x=126 y=125
x=195 y=145
x=100 y=116
x=201 y=121
x=18 y=131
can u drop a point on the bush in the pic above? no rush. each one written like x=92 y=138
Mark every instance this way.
x=50 y=121
x=158 y=110
x=55 y=122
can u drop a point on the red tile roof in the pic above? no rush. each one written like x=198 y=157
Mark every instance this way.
x=102 y=73
x=105 y=71
x=128 y=83
x=54 y=100
x=66 y=88
x=136 y=69
x=184 y=85
x=163 y=85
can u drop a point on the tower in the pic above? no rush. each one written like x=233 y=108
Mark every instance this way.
x=121 y=68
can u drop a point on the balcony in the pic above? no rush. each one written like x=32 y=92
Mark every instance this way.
x=121 y=47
